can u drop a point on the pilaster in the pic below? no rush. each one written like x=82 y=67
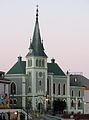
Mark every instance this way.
x=23 y=91
x=68 y=92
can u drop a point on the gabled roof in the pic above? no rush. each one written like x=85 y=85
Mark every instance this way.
x=55 y=69
x=18 y=68
x=79 y=80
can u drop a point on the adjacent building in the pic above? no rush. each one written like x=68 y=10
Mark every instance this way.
x=4 y=94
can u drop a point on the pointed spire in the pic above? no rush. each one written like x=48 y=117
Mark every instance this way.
x=42 y=44
x=36 y=44
x=30 y=40
x=30 y=43
x=37 y=13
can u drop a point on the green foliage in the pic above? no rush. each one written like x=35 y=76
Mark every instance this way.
x=59 y=105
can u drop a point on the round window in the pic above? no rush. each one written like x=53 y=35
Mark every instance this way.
x=40 y=74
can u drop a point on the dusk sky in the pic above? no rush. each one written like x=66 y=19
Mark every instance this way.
x=64 y=26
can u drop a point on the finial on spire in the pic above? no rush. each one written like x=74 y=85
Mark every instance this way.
x=37 y=13
x=30 y=40
x=42 y=41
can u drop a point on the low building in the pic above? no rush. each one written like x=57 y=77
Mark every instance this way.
x=4 y=94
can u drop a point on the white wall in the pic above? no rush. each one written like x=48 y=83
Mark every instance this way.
x=1 y=88
x=86 y=101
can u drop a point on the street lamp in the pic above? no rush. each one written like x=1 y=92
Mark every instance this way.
x=46 y=102
x=15 y=113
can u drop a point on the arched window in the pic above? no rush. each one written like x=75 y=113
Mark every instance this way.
x=40 y=74
x=40 y=82
x=79 y=103
x=59 y=89
x=29 y=89
x=15 y=101
x=72 y=103
x=43 y=63
x=53 y=88
x=10 y=101
x=48 y=86
x=72 y=93
x=37 y=63
x=29 y=63
x=13 y=88
x=79 y=93
x=64 y=89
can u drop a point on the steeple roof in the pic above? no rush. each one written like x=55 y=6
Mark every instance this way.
x=36 y=46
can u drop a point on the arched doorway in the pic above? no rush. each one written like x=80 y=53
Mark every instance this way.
x=40 y=107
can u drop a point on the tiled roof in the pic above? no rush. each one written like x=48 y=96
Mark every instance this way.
x=55 y=69
x=36 y=45
x=79 y=80
x=18 y=68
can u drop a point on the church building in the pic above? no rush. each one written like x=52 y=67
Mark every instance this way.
x=35 y=83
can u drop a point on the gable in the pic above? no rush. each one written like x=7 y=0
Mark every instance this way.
x=18 y=68
x=55 y=69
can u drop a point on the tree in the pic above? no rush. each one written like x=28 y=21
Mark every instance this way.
x=59 y=105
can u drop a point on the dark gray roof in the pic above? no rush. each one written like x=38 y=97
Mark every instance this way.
x=79 y=80
x=37 y=45
x=55 y=69
x=18 y=68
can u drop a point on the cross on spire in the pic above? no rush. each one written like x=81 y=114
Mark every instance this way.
x=37 y=13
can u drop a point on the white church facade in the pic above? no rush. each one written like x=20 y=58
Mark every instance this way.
x=34 y=80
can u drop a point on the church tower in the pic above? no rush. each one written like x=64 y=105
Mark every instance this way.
x=36 y=68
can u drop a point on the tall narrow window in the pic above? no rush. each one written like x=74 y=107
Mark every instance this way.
x=79 y=93
x=72 y=93
x=13 y=88
x=40 y=82
x=64 y=89
x=29 y=63
x=79 y=103
x=15 y=101
x=59 y=89
x=37 y=63
x=29 y=89
x=43 y=63
x=10 y=101
x=48 y=86
x=72 y=103
x=4 y=88
x=53 y=88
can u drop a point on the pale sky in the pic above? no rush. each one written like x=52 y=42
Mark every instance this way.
x=64 y=26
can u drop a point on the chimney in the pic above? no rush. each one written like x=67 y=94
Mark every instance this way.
x=19 y=58
x=52 y=60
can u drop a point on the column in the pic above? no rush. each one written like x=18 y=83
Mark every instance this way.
x=33 y=103
x=76 y=104
x=51 y=91
x=23 y=91
x=68 y=92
